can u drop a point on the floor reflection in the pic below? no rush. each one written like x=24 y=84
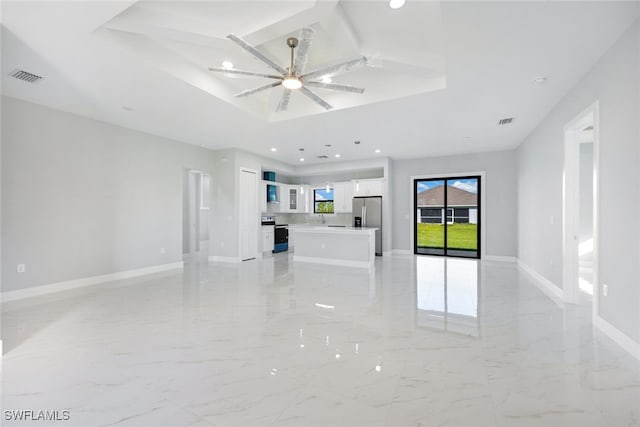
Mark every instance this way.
x=447 y=294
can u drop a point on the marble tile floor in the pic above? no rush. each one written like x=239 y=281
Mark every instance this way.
x=423 y=341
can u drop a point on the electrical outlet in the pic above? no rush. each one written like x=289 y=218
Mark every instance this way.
x=21 y=268
x=163 y=251
x=605 y=290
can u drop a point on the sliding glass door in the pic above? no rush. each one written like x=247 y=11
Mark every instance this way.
x=447 y=216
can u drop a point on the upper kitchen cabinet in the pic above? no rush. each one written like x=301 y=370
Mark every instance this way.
x=291 y=192
x=303 y=198
x=342 y=197
x=367 y=187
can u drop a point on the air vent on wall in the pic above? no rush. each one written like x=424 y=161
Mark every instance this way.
x=25 y=76
x=322 y=157
x=505 y=121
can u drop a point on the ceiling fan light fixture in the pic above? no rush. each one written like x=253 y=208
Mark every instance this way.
x=292 y=82
x=396 y=4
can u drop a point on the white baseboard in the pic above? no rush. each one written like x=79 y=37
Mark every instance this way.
x=329 y=261
x=500 y=258
x=544 y=284
x=619 y=337
x=402 y=251
x=36 y=291
x=216 y=258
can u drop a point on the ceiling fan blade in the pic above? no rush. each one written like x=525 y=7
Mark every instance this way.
x=336 y=69
x=304 y=41
x=253 y=51
x=244 y=73
x=316 y=98
x=248 y=92
x=339 y=88
x=284 y=101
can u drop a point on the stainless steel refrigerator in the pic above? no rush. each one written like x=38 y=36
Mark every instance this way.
x=369 y=209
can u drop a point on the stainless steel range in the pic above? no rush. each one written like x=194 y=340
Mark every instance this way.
x=281 y=238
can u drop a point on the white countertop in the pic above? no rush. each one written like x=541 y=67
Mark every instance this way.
x=316 y=228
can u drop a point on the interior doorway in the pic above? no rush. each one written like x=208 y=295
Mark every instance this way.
x=447 y=216
x=196 y=214
x=580 y=213
x=249 y=214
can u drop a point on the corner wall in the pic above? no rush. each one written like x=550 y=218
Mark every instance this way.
x=83 y=198
x=614 y=82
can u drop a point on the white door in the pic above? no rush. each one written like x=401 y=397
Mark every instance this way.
x=249 y=214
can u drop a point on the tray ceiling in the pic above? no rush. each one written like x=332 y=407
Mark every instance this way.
x=405 y=57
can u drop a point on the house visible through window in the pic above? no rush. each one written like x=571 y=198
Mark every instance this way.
x=323 y=201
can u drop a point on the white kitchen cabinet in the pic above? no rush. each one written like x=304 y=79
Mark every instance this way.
x=268 y=238
x=303 y=198
x=342 y=197
x=367 y=187
x=292 y=198
x=292 y=240
x=288 y=198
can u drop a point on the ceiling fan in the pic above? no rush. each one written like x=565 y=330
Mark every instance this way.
x=294 y=77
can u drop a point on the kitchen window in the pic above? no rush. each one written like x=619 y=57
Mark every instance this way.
x=323 y=201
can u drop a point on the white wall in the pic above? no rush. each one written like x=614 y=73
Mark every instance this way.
x=586 y=192
x=614 y=82
x=224 y=206
x=83 y=198
x=500 y=184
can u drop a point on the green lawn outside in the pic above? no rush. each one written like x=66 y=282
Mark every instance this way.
x=459 y=236
x=324 y=207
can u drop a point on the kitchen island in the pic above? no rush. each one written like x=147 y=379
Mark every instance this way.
x=334 y=245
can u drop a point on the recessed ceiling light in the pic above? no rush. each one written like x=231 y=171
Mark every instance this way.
x=540 y=80
x=377 y=150
x=327 y=145
x=396 y=4
x=326 y=79
x=227 y=64
x=337 y=156
x=274 y=149
x=302 y=159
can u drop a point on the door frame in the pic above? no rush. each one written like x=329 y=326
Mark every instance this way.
x=239 y=216
x=571 y=207
x=483 y=183
x=192 y=203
